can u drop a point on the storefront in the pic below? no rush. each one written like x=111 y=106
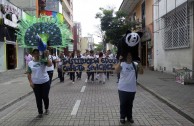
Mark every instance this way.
x=9 y=51
x=147 y=48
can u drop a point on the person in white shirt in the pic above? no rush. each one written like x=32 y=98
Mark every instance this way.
x=60 y=64
x=78 y=55
x=50 y=69
x=127 y=85
x=54 y=58
x=39 y=80
x=89 y=74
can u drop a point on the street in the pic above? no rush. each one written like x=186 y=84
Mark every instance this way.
x=87 y=104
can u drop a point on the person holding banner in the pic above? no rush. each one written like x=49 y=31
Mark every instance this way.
x=89 y=74
x=39 y=80
x=127 y=85
x=72 y=74
x=78 y=55
x=101 y=74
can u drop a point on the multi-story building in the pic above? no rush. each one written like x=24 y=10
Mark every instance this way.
x=9 y=50
x=76 y=36
x=141 y=11
x=173 y=34
x=84 y=44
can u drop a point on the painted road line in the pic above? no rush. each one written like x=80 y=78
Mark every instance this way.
x=83 y=89
x=76 y=107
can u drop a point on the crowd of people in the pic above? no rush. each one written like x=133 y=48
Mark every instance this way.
x=91 y=76
x=40 y=77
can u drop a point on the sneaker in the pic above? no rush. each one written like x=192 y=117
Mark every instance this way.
x=130 y=120
x=39 y=115
x=46 y=112
x=122 y=121
x=73 y=82
x=86 y=80
x=103 y=82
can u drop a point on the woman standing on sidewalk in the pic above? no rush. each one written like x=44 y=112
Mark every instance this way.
x=39 y=80
x=127 y=86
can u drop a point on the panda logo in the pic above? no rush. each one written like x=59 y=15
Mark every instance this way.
x=132 y=39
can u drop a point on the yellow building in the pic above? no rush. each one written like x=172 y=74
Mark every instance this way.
x=142 y=11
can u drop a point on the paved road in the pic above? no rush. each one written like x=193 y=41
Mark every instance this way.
x=99 y=106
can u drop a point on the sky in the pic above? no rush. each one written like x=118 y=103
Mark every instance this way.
x=84 y=11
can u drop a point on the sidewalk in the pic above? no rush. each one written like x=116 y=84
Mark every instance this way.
x=177 y=96
x=14 y=86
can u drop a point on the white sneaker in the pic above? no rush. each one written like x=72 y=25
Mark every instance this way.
x=73 y=82
x=86 y=80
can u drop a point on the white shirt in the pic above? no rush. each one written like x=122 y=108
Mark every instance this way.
x=38 y=72
x=127 y=81
x=51 y=68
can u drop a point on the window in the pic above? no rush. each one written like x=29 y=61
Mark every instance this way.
x=175 y=30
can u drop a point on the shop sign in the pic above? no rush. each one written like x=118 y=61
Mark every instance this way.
x=11 y=14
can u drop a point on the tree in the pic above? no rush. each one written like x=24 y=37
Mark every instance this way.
x=98 y=47
x=114 y=24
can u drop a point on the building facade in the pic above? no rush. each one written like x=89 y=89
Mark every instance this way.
x=142 y=11
x=76 y=36
x=84 y=44
x=173 y=35
x=10 y=53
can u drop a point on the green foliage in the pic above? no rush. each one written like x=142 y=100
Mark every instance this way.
x=98 y=47
x=114 y=24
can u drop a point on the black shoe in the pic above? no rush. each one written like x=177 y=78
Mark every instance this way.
x=46 y=112
x=130 y=120
x=122 y=121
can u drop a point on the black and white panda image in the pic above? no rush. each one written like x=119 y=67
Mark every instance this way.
x=132 y=39
x=129 y=43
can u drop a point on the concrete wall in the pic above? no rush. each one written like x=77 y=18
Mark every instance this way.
x=84 y=44
x=20 y=58
x=2 y=63
x=137 y=9
x=175 y=58
x=168 y=5
x=149 y=12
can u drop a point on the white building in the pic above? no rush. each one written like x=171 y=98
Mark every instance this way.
x=173 y=35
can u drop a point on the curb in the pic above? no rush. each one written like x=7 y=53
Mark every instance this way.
x=169 y=103
x=19 y=99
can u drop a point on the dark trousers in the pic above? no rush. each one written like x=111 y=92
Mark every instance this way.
x=126 y=104
x=91 y=74
x=118 y=77
x=41 y=92
x=50 y=73
x=60 y=75
x=79 y=74
x=72 y=76
x=107 y=75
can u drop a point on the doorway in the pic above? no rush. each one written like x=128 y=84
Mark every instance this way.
x=11 y=56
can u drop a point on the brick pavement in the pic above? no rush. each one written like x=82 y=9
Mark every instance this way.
x=99 y=107
x=163 y=85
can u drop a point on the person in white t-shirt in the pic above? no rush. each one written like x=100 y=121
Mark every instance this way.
x=90 y=74
x=39 y=80
x=51 y=68
x=127 y=86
